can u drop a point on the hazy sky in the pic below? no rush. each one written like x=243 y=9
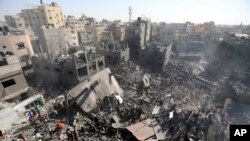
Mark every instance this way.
x=197 y=11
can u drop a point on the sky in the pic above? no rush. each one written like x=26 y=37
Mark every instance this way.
x=170 y=11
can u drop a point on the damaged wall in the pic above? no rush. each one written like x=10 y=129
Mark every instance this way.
x=99 y=85
x=155 y=57
x=13 y=82
x=116 y=55
x=69 y=72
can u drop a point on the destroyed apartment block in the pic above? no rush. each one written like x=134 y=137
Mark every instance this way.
x=162 y=82
x=69 y=69
x=155 y=56
x=114 y=52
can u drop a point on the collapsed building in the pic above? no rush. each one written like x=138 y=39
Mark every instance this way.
x=176 y=104
x=138 y=35
x=143 y=50
x=69 y=69
x=156 y=55
x=118 y=30
x=237 y=39
x=114 y=52
x=54 y=41
x=87 y=94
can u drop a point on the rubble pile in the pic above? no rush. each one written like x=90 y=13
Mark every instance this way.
x=181 y=96
x=173 y=105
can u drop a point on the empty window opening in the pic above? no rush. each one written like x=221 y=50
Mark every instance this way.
x=8 y=53
x=3 y=62
x=123 y=58
x=70 y=72
x=2 y=54
x=8 y=83
x=24 y=58
x=20 y=45
x=57 y=70
x=82 y=71
x=94 y=66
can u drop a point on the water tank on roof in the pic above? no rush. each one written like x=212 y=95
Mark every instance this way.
x=54 y=4
x=139 y=19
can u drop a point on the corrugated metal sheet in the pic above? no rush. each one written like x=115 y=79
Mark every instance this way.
x=142 y=130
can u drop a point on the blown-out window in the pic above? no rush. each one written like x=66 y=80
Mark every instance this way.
x=47 y=67
x=24 y=58
x=20 y=45
x=8 y=83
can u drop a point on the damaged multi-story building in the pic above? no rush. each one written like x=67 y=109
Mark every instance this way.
x=167 y=33
x=143 y=49
x=54 y=41
x=206 y=27
x=118 y=30
x=44 y=14
x=68 y=69
x=114 y=52
x=97 y=30
x=112 y=44
x=138 y=35
x=17 y=44
x=13 y=83
x=75 y=23
x=15 y=21
x=85 y=36
x=156 y=55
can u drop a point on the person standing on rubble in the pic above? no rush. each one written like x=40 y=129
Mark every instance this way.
x=38 y=109
x=30 y=115
x=33 y=112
